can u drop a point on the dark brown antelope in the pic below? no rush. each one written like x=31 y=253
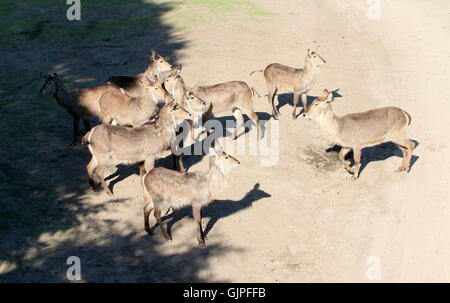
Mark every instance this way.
x=290 y=79
x=165 y=188
x=359 y=130
x=113 y=145
x=153 y=73
x=118 y=108
x=81 y=103
x=234 y=96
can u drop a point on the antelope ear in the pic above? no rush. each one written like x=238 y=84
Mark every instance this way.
x=318 y=47
x=325 y=95
x=212 y=151
x=218 y=147
x=178 y=69
x=55 y=76
x=309 y=52
x=42 y=75
x=330 y=97
x=154 y=55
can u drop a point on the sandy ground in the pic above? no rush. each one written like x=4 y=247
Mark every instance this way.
x=301 y=220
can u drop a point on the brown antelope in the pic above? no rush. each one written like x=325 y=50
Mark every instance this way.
x=116 y=107
x=359 y=130
x=235 y=96
x=153 y=73
x=165 y=189
x=295 y=80
x=81 y=103
x=113 y=145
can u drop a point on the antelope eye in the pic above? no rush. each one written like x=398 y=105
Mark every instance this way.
x=316 y=104
x=192 y=98
x=226 y=157
x=161 y=61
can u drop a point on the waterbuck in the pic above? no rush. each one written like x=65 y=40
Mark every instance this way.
x=117 y=107
x=113 y=145
x=234 y=96
x=81 y=103
x=164 y=189
x=153 y=73
x=359 y=130
x=295 y=80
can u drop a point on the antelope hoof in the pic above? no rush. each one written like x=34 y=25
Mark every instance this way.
x=354 y=177
x=401 y=168
x=349 y=170
x=201 y=243
x=109 y=192
x=169 y=239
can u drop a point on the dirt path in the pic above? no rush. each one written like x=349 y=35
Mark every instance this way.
x=301 y=220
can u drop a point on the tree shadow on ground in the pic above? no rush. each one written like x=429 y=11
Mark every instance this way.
x=44 y=195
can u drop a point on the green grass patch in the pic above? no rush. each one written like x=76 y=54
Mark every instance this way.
x=187 y=14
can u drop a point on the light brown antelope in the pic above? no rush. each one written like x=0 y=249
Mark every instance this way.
x=113 y=145
x=155 y=72
x=359 y=130
x=81 y=103
x=164 y=189
x=119 y=108
x=295 y=80
x=234 y=96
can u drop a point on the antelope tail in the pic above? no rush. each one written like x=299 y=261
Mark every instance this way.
x=257 y=71
x=408 y=116
x=255 y=92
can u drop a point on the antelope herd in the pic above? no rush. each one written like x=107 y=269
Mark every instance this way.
x=141 y=116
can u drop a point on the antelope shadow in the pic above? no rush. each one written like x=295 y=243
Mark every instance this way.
x=218 y=209
x=378 y=152
x=288 y=98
